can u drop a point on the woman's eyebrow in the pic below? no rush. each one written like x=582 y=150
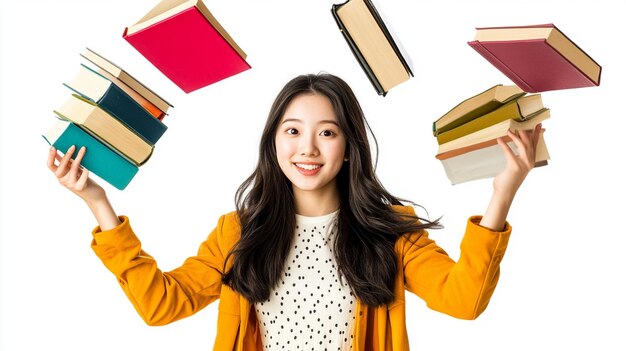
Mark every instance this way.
x=324 y=121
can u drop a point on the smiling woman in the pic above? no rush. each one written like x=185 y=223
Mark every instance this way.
x=317 y=244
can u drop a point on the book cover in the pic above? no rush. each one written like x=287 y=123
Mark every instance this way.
x=109 y=129
x=97 y=88
x=476 y=106
x=510 y=110
x=99 y=159
x=540 y=62
x=486 y=162
x=187 y=45
x=377 y=51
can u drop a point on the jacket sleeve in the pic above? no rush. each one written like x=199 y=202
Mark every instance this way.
x=461 y=289
x=162 y=297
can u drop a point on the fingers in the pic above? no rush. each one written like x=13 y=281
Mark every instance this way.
x=52 y=155
x=68 y=172
x=62 y=168
x=536 y=134
x=525 y=143
x=508 y=153
x=75 y=167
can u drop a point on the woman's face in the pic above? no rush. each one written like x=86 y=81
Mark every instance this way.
x=310 y=146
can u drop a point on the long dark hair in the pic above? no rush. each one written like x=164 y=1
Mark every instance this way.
x=367 y=226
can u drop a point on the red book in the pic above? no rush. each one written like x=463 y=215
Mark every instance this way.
x=537 y=58
x=187 y=44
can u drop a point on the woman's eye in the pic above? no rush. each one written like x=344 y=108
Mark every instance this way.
x=327 y=133
x=292 y=131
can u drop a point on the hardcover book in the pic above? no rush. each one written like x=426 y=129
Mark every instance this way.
x=146 y=97
x=115 y=134
x=486 y=162
x=476 y=106
x=379 y=53
x=523 y=108
x=102 y=161
x=488 y=136
x=537 y=58
x=95 y=87
x=187 y=44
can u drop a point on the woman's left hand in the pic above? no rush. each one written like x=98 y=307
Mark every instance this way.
x=507 y=182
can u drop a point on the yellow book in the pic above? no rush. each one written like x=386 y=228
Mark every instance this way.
x=520 y=109
x=477 y=106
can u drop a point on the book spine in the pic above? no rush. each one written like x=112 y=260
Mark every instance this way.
x=357 y=53
x=476 y=45
x=129 y=112
x=99 y=159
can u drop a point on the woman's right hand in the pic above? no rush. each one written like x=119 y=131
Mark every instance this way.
x=71 y=175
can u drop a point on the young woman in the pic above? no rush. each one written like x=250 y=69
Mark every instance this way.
x=318 y=254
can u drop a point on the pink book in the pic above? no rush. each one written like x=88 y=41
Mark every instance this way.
x=537 y=58
x=185 y=42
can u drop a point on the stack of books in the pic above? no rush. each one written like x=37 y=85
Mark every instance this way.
x=116 y=117
x=467 y=134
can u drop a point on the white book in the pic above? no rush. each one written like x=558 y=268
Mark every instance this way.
x=486 y=162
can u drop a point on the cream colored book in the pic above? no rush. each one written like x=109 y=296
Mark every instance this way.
x=108 y=129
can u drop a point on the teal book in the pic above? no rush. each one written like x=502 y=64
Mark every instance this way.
x=111 y=98
x=102 y=161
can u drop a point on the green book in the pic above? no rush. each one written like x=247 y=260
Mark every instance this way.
x=102 y=161
x=520 y=109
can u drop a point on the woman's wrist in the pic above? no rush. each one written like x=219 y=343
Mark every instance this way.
x=103 y=212
x=497 y=211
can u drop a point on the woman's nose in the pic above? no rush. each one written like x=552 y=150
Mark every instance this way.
x=308 y=146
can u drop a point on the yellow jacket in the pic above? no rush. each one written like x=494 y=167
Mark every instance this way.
x=461 y=289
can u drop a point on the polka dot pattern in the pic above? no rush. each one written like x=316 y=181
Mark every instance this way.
x=311 y=308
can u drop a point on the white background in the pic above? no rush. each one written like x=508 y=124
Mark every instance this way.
x=562 y=280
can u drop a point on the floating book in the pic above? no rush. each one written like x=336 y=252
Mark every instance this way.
x=520 y=109
x=187 y=44
x=101 y=160
x=148 y=99
x=487 y=136
x=537 y=58
x=378 y=52
x=97 y=88
x=476 y=106
x=91 y=117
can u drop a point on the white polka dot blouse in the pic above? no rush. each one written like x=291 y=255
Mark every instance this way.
x=311 y=308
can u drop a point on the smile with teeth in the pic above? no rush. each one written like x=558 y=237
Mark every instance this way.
x=308 y=167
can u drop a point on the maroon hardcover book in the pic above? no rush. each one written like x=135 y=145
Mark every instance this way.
x=537 y=58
